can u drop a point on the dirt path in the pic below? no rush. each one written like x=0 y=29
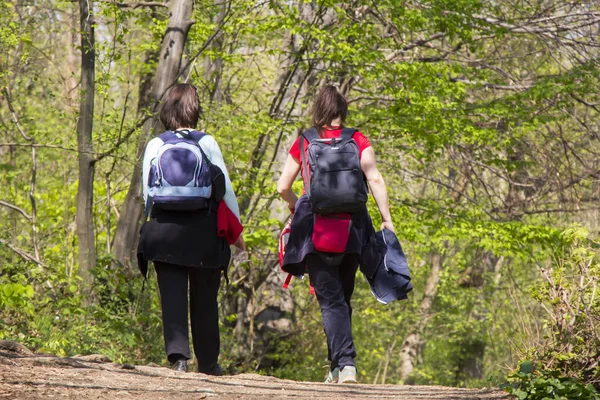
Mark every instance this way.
x=24 y=375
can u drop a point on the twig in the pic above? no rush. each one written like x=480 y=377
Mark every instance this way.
x=108 y=153
x=49 y=146
x=137 y=4
x=23 y=253
x=14 y=116
x=491 y=85
x=33 y=204
x=122 y=140
x=20 y=210
x=33 y=218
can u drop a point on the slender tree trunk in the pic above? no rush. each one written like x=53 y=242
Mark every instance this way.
x=470 y=365
x=214 y=67
x=413 y=342
x=132 y=212
x=85 y=191
x=293 y=87
x=72 y=54
x=127 y=225
x=410 y=347
x=287 y=101
x=167 y=72
x=470 y=362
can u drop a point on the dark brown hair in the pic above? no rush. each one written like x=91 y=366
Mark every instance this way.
x=329 y=105
x=181 y=108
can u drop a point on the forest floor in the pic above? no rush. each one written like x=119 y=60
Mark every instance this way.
x=26 y=375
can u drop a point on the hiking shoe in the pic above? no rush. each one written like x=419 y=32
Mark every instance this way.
x=347 y=374
x=180 y=365
x=215 y=370
x=333 y=376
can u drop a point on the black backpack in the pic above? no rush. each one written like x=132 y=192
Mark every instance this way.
x=333 y=178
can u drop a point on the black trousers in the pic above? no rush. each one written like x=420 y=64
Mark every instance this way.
x=204 y=313
x=334 y=286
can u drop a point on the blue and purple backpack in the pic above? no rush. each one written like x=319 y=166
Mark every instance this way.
x=181 y=175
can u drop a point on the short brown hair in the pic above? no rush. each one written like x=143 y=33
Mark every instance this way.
x=181 y=108
x=329 y=105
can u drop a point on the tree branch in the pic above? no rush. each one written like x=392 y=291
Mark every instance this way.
x=18 y=209
x=486 y=85
x=14 y=116
x=136 y=4
x=122 y=140
x=31 y=140
x=22 y=253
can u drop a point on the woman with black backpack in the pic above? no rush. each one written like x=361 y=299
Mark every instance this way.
x=188 y=197
x=331 y=223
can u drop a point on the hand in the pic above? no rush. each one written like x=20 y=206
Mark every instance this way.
x=240 y=257
x=292 y=207
x=388 y=225
x=240 y=244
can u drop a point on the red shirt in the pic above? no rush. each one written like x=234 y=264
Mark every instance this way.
x=360 y=139
x=328 y=133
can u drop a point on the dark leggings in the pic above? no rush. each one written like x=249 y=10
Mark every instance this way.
x=334 y=286
x=204 y=314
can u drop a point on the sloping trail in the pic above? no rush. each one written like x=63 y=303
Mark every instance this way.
x=24 y=375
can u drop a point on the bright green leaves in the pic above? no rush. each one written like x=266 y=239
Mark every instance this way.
x=457 y=19
x=16 y=297
x=549 y=385
x=10 y=36
x=9 y=30
x=568 y=296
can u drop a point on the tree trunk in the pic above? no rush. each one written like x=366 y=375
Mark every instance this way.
x=167 y=73
x=410 y=347
x=294 y=85
x=273 y=316
x=214 y=68
x=85 y=191
x=470 y=365
x=127 y=225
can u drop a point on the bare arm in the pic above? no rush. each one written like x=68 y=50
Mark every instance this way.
x=287 y=178
x=377 y=185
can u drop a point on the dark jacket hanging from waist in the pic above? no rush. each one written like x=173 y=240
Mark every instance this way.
x=300 y=242
x=187 y=238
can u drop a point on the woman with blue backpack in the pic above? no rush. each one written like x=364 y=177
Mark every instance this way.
x=331 y=223
x=189 y=200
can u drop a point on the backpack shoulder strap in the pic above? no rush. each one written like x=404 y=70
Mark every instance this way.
x=347 y=133
x=310 y=135
x=193 y=136
x=189 y=134
x=196 y=135
x=166 y=136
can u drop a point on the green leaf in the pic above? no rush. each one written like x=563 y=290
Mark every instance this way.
x=526 y=367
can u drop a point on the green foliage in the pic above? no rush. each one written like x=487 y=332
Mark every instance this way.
x=16 y=297
x=568 y=294
x=548 y=385
x=63 y=324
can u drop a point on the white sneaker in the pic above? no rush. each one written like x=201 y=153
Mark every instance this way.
x=333 y=376
x=347 y=374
